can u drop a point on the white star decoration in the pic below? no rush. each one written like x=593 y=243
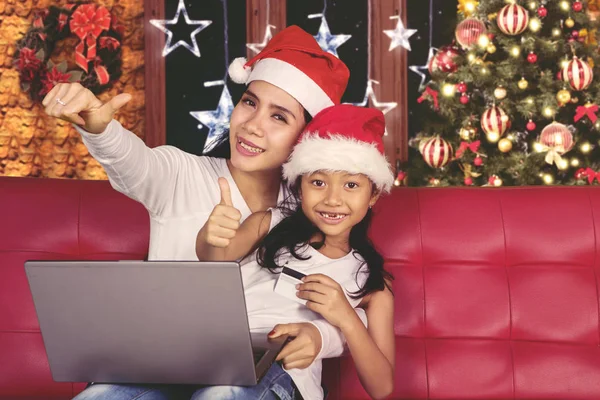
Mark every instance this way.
x=399 y=35
x=326 y=40
x=217 y=121
x=161 y=24
x=384 y=107
x=417 y=69
x=257 y=47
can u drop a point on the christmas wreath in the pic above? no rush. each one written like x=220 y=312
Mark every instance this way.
x=97 y=62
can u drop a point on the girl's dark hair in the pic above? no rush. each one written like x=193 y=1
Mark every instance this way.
x=222 y=148
x=296 y=230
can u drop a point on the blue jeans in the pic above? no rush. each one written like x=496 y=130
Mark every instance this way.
x=275 y=385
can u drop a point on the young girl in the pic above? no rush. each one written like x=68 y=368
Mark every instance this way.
x=338 y=171
x=289 y=81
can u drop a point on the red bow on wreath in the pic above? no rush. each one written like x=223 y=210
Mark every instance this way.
x=588 y=110
x=474 y=146
x=110 y=42
x=430 y=92
x=39 y=17
x=101 y=71
x=87 y=22
x=62 y=21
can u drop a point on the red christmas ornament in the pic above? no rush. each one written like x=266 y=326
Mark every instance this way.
x=436 y=152
x=578 y=73
x=478 y=161
x=557 y=137
x=461 y=87
x=575 y=34
x=495 y=120
x=530 y=126
x=468 y=32
x=444 y=60
x=542 y=12
x=464 y=98
x=532 y=58
x=468 y=181
x=512 y=19
x=577 y=6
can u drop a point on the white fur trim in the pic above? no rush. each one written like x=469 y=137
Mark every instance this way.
x=339 y=153
x=238 y=72
x=289 y=78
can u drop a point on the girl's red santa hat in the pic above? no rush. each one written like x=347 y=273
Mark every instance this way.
x=343 y=138
x=294 y=62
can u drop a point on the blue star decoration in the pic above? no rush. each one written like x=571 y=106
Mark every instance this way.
x=162 y=25
x=326 y=40
x=422 y=70
x=217 y=121
x=399 y=35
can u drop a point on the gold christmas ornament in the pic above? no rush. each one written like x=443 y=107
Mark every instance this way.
x=504 y=145
x=467 y=133
x=563 y=96
x=569 y=23
x=491 y=48
x=497 y=182
x=523 y=84
x=500 y=93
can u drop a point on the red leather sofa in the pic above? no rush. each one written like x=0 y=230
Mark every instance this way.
x=496 y=289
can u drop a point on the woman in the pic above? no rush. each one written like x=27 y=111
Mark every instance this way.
x=291 y=76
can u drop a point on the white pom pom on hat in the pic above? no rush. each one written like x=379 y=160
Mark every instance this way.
x=238 y=71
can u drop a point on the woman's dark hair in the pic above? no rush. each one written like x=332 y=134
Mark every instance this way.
x=296 y=230
x=222 y=148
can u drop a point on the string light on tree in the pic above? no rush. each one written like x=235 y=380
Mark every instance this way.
x=467 y=7
x=535 y=25
x=162 y=25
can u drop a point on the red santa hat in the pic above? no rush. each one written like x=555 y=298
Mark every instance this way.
x=343 y=138
x=294 y=62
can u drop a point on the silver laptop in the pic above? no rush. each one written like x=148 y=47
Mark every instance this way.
x=147 y=322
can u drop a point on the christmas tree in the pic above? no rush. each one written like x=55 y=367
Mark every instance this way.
x=515 y=96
